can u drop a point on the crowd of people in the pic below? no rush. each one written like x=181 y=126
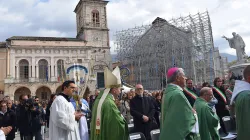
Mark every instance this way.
x=181 y=111
x=28 y=116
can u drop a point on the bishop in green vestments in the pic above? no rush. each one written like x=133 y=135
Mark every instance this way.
x=114 y=126
x=208 y=119
x=178 y=119
x=107 y=122
x=241 y=96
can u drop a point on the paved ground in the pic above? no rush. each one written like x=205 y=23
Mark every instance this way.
x=46 y=135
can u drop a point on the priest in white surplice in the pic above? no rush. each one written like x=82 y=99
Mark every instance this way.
x=63 y=117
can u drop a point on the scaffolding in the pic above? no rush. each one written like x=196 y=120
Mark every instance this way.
x=150 y=50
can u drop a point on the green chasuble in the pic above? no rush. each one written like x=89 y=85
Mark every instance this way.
x=113 y=125
x=242 y=110
x=177 y=118
x=208 y=120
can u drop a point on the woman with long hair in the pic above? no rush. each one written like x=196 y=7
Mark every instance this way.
x=127 y=106
x=222 y=108
x=158 y=97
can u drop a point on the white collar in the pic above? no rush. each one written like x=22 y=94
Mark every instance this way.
x=240 y=86
x=2 y=112
x=176 y=86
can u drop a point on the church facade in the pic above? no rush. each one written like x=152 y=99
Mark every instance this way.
x=39 y=65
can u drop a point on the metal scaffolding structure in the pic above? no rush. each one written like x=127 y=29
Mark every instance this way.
x=150 y=50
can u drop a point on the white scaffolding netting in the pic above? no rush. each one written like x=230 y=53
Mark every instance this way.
x=150 y=50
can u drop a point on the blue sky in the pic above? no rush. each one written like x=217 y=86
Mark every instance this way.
x=56 y=17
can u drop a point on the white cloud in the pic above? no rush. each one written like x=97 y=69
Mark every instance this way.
x=8 y=17
x=46 y=32
x=56 y=17
x=226 y=16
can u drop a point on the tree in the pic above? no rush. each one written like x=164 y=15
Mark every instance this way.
x=232 y=63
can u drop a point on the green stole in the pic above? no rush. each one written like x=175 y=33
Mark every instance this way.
x=221 y=94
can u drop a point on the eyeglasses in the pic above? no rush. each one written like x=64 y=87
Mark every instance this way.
x=36 y=100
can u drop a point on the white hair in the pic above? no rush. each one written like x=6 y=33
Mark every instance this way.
x=175 y=74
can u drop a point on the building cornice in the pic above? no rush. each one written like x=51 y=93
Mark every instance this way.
x=57 y=47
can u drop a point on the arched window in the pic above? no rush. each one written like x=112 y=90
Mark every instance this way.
x=95 y=18
x=24 y=70
x=43 y=70
x=61 y=74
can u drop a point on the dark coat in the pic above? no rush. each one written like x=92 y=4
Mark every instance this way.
x=29 y=121
x=23 y=120
x=8 y=119
x=37 y=117
x=140 y=106
x=190 y=99
x=157 y=106
x=47 y=115
x=221 y=107
x=157 y=112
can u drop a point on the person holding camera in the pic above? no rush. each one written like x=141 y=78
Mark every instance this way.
x=23 y=118
x=38 y=119
x=29 y=118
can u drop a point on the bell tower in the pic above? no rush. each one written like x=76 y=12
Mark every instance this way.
x=91 y=21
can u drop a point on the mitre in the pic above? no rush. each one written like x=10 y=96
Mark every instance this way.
x=112 y=79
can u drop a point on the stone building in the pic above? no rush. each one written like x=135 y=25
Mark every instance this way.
x=157 y=49
x=221 y=64
x=39 y=65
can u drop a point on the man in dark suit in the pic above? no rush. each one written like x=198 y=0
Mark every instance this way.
x=7 y=118
x=190 y=92
x=142 y=110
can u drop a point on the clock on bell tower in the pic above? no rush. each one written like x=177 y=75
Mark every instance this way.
x=91 y=20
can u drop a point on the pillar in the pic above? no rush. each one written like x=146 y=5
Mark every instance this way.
x=17 y=72
x=32 y=70
x=12 y=65
x=37 y=71
x=53 y=76
x=33 y=64
x=49 y=78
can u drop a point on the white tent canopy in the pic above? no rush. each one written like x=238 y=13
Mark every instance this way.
x=126 y=89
